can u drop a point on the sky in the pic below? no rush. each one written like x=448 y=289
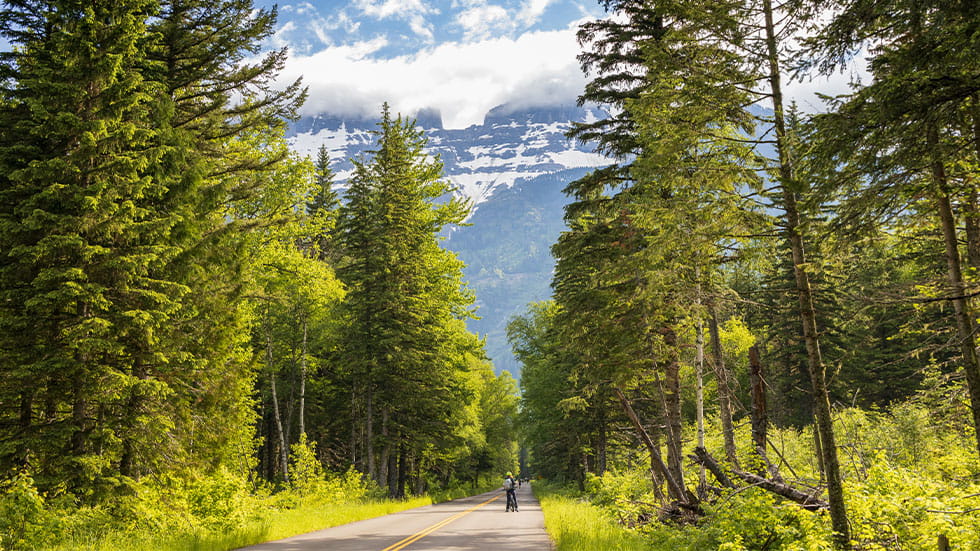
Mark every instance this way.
x=461 y=57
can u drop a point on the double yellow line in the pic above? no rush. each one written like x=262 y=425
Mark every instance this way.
x=419 y=535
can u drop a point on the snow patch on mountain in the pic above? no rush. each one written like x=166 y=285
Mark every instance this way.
x=510 y=146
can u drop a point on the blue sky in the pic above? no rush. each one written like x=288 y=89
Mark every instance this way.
x=462 y=57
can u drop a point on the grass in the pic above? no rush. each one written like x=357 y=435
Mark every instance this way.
x=274 y=525
x=271 y=525
x=575 y=525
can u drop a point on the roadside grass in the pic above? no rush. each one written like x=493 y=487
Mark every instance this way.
x=576 y=525
x=270 y=524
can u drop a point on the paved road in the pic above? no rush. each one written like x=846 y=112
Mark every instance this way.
x=477 y=523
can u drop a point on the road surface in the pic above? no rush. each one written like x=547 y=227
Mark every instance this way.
x=477 y=523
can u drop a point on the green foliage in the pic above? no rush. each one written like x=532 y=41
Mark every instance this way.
x=574 y=525
x=24 y=520
x=908 y=479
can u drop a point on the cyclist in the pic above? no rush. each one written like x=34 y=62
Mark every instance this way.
x=510 y=485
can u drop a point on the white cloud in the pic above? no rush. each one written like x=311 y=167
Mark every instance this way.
x=532 y=11
x=463 y=81
x=280 y=38
x=384 y=9
x=481 y=22
x=412 y=11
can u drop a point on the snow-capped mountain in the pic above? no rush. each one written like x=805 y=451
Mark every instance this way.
x=480 y=160
x=513 y=167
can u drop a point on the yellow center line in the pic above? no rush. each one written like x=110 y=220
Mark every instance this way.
x=421 y=534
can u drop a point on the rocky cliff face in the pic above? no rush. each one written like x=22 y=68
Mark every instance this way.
x=513 y=168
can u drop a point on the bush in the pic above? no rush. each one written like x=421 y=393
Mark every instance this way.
x=23 y=516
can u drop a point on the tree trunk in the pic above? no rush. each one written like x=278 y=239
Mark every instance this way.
x=25 y=421
x=602 y=443
x=283 y=449
x=674 y=487
x=302 y=385
x=133 y=406
x=724 y=389
x=369 y=432
x=656 y=474
x=384 y=479
x=965 y=324
x=672 y=409
x=402 y=474
x=355 y=458
x=699 y=397
x=760 y=415
x=821 y=398
x=809 y=501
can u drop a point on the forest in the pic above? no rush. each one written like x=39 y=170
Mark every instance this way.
x=763 y=330
x=196 y=332
x=762 y=334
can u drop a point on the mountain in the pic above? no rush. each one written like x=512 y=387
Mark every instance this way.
x=513 y=168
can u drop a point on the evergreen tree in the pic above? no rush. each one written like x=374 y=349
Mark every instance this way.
x=223 y=167
x=83 y=305
x=913 y=131
x=402 y=344
x=322 y=210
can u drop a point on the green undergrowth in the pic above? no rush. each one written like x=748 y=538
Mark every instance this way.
x=575 y=525
x=908 y=480
x=216 y=512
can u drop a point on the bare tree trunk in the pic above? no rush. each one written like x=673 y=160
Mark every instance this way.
x=302 y=385
x=699 y=397
x=760 y=415
x=602 y=443
x=355 y=458
x=369 y=432
x=402 y=474
x=808 y=501
x=656 y=475
x=283 y=449
x=674 y=487
x=965 y=324
x=25 y=421
x=724 y=389
x=821 y=398
x=385 y=462
x=671 y=395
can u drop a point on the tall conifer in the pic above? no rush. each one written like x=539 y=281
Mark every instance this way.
x=406 y=298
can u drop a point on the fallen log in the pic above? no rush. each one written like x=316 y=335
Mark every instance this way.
x=809 y=502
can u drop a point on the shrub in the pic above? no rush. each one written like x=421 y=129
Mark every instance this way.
x=23 y=517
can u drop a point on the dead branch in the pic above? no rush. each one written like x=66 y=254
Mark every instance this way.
x=808 y=501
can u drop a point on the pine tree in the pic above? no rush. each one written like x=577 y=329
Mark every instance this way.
x=406 y=298
x=221 y=128
x=83 y=308
x=914 y=130
x=322 y=210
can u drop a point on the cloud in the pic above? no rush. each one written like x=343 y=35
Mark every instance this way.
x=482 y=22
x=532 y=11
x=462 y=80
x=412 y=11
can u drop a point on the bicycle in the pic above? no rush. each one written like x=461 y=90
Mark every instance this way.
x=511 y=501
